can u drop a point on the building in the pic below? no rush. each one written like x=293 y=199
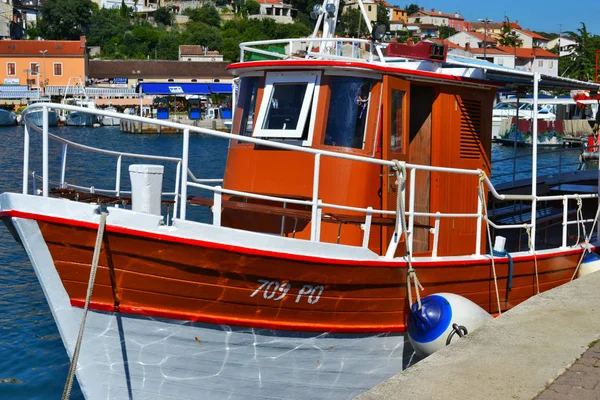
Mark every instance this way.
x=274 y=9
x=197 y=53
x=495 y=55
x=40 y=63
x=534 y=59
x=131 y=72
x=473 y=39
x=566 y=46
x=437 y=18
x=492 y=27
x=398 y=15
x=531 y=39
x=117 y=4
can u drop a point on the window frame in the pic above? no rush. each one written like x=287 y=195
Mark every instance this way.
x=312 y=80
x=14 y=64
x=54 y=68
x=31 y=69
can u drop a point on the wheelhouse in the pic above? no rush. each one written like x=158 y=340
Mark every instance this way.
x=361 y=110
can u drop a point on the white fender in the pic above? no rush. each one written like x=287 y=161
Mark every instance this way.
x=590 y=263
x=430 y=327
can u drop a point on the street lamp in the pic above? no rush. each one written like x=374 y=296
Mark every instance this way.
x=44 y=70
x=27 y=81
x=485 y=21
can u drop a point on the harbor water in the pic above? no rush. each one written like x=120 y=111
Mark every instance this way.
x=33 y=361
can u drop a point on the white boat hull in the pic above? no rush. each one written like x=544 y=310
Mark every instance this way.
x=125 y=356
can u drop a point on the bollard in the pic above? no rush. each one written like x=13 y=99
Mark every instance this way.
x=146 y=187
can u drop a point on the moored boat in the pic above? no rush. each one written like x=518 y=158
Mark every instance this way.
x=357 y=180
x=7 y=118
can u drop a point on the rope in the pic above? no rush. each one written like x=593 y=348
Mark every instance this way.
x=586 y=244
x=530 y=244
x=400 y=169
x=579 y=215
x=69 y=384
x=489 y=236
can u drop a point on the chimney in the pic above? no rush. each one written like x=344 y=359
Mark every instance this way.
x=422 y=8
x=433 y=10
x=468 y=46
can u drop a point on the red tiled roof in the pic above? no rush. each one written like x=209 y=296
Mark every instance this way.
x=530 y=53
x=532 y=34
x=158 y=69
x=270 y=1
x=488 y=38
x=438 y=14
x=446 y=42
x=385 y=3
x=489 y=50
x=191 y=50
x=34 y=47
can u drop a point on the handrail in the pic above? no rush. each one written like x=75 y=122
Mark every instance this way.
x=185 y=178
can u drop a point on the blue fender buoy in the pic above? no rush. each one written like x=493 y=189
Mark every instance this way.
x=589 y=264
x=442 y=317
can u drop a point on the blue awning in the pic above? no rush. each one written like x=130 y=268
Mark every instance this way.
x=220 y=88
x=175 y=88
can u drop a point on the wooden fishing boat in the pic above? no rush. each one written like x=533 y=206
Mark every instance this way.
x=357 y=180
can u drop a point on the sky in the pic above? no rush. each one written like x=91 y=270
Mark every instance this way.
x=537 y=15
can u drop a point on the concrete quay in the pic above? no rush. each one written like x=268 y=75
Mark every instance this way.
x=138 y=127
x=545 y=348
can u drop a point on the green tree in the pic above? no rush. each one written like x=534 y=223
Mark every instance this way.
x=382 y=14
x=506 y=36
x=445 y=31
x=104 y=25
x=353 y=23
x=253 y=7
x=412 y=9
x=204 y=35
x=164 y=16
x=124 y=9
x=582 y=65
x=207 y=14
x=168 y=46
x=65 y=19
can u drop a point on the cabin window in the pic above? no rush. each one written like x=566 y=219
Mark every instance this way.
x=285 y=105
x=348 y=111
x=397 y=133
x=247 y=102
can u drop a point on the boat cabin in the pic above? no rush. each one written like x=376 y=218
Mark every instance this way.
x=363 y=109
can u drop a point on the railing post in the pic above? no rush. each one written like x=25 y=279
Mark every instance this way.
x=479 y=221
x=319 y=217
x=315 y=198
x=184 y=172
x=177 y=182
x=565 y=220
x=367 y=228
x=26 y=160
x=118 y=180
x=436 y=234
x=411 y=208
x=217 y=205
x=63 y=165
x=45 y=151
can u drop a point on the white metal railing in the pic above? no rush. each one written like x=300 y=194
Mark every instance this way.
x=185 y=179
x=330 y=52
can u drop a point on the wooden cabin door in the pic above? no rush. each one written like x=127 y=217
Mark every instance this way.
x=393 y=145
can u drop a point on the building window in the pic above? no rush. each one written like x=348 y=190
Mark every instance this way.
x=34 y=68
x=11 y=69
x=369 y=8
x=551 y=64
x=57 y=69
x=500 y=61
x=540 y=63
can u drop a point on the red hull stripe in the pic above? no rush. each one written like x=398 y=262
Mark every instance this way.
x=275 y=254
x=236 y=321
x=362 y=65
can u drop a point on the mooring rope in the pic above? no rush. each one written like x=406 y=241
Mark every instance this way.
x=400 y=169
x=586 y=244
x=98 y=246
x=489 y=236
x=535 y=264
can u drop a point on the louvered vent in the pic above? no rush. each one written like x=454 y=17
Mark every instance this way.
x=470 y=129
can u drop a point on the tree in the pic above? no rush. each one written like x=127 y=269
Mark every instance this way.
x=168 y=46
x=164 y=16
x=204 y=35
x=253 y=7
x=124 y=9
x=412 y=9
x=106 y=24
x=207 y=14
x=582 y=64
x=353 y=24
x=65 y=19
x=506 y=36
x=382 y=14
x=445 y=31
